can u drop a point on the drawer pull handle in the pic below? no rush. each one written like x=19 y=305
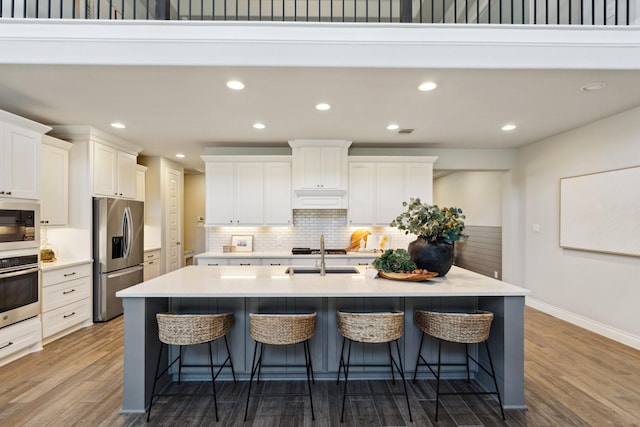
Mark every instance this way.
x=363 y=263
x=69 y=315
x=212 y=264
x=245 y=263
x=275 y=263
x=150 y=262
x=6 y=345
x=70 y=274
x=68 y=292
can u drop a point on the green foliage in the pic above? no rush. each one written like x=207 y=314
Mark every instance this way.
x=394 y=261
x=431 y=222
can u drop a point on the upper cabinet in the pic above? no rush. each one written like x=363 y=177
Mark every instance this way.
x=114 y=172
x=379 y=185
x=319 y=173
x=141 y=179
x=54 y=203
x=20 y=156
x=248 y=190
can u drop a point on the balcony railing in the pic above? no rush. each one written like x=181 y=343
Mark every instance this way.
x=546 y=12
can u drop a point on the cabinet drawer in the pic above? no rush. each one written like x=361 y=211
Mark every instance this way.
x=19 y=336
x=213 y=261
x=65 y=317
x=55 y=296
x=152 y=255
x=51 y=277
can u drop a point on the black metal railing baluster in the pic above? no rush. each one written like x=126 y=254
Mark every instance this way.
x=604 y=12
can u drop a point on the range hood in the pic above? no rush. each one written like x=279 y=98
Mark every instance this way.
x=319 y=173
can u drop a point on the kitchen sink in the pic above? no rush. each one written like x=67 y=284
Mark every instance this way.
x=316 y=270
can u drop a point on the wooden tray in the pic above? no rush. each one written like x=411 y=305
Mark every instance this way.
x=408 y=277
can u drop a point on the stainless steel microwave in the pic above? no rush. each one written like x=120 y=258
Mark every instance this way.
x=19 y=225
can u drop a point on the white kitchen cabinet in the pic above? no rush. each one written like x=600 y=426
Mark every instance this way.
x=247 y=190
x=54 y=178
x=20 y=156
x=66 y=300
x=319 y=173
x=277 y=191
x=114 y=172
x=20 y=339
x=151 y=264
x=379 y=185
x=141 y=179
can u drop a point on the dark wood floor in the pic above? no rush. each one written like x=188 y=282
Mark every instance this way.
x=572 y=378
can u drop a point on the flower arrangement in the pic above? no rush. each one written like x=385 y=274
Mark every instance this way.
x=431 y=222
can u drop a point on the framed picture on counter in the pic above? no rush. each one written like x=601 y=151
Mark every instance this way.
x=242 y=243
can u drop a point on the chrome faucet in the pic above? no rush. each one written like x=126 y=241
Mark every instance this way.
x=323 y=267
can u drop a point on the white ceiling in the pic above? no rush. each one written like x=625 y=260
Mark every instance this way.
x=171 y=109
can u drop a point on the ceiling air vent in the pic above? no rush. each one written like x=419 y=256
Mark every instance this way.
x=405 y=131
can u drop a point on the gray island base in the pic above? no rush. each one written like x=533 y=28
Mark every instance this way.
x=246 y=289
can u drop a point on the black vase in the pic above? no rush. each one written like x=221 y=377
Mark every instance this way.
x=434 y=256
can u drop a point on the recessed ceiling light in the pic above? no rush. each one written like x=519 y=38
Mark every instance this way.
x=323 y=106
x=118 y=125
x=508 y=127
x=259 y=125
x=593 y=86
x=235 y=85
x=180 y=156
x=392 y=126
x=427 y=86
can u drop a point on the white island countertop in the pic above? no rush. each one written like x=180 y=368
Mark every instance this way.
x=271 y=281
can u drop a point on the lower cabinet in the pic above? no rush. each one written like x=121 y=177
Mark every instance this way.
x=66 y=300
x=20 y=339
x=151 y=265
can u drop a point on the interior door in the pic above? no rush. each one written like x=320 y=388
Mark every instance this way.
x=173 y=223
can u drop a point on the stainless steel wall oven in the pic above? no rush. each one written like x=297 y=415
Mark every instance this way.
x=19 y=288
x=19 y=225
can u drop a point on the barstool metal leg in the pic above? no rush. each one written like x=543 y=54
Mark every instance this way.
x=213 y=381
x=495 y=382
x=253 y=371
x=466 y=351
x=393 y=378
x=155 y=380
x=404 y=381
x=233 y=372
x=341 y=364
x=307 y=362
x=180 y=365
x=346 y=381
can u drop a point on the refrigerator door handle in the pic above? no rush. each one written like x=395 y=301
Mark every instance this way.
x=124 y=272
x=127 y=231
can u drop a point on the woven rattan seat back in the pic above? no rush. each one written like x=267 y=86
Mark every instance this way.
x=455 y=327
x=282 y=329
x=371 y=327
x=189 y=329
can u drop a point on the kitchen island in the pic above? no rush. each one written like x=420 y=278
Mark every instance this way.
x=246 y=289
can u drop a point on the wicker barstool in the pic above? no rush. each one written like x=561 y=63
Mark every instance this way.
x=463 y=328
x=281 y=329
x=191 y=329
x=370 y=328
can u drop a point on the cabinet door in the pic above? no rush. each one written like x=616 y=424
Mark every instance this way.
x=55 y=186
x=20 y=176
x=277 y=189
x=126 y=175
x=249 y=193
x=308 y=169
x=362 y=193
x=331 y=159
x=105 y=167
x=219 y=197
x=418 y=181
x=389 y=191
x=141 y=178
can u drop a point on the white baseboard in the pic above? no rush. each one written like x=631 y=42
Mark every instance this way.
x=586 y=323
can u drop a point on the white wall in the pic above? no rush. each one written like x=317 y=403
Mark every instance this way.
x=478 y=194
x=598 y=291
x=194 y=207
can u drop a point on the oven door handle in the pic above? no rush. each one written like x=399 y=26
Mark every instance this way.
x=19 y=273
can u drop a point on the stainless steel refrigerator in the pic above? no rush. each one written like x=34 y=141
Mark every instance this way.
x=118 y=247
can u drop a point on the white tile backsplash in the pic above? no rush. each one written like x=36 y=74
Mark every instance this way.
x=309 y=224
